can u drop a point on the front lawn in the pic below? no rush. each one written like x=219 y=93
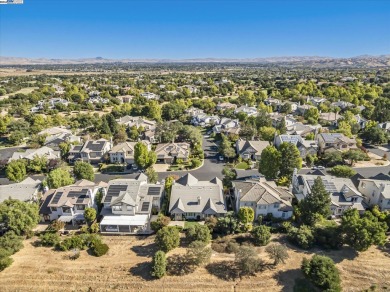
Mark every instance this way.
x=187 y=224
x=242 y=165
x=111 y=168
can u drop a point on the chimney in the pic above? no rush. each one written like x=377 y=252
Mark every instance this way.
x=199 y=198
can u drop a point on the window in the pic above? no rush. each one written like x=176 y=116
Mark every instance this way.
x=129 y=208
x=388 y=202
x=262 y=207
x=54 y=209
x=117 y=208
x=276 y=205
x=66 y=210
x=80 y=207
x=283 y=214
x=363 y=185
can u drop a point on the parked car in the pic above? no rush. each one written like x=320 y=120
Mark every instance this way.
x=221 y=158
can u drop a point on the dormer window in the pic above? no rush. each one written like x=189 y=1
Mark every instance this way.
x=117 y=208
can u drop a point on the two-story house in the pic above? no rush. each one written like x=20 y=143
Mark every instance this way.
x=376 y=192
x=195 y=200
x=342 y=191
x=25 y=191
x=264 y=197
x=250 y=149
x=128 y=205
x=328 y=142
x=124 y=152
x=170 y=152
x=67 y=204
x=305 y=147
x=92 y=151
x=249 y=110
x=226 y=126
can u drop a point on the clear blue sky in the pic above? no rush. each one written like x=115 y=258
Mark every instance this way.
x=194 y=28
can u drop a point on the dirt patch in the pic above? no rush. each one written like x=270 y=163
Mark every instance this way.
x=127 y=267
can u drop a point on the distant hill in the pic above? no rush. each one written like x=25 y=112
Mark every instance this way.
x=359 y=61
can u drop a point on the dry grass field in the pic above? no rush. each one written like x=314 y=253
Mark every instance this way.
x=126 y=268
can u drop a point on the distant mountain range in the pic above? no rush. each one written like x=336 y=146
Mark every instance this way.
x=360 y=61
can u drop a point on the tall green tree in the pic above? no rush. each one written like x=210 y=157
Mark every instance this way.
x=269 y=162
x=362 y=232
x=322 y=272
x=316 y=204
x=246 y=215
x=90 y=215
x=159 y=264
x=168 y=238
x=59 y=177
x=84 y=170
x=289 y=159
x=16 y=170
x=19 y=216
x=142 y=157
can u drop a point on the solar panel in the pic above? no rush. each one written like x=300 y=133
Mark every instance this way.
x=80 y=199
x=145 y=206
x=113 y=191
x=56 y=198
x=154 y=191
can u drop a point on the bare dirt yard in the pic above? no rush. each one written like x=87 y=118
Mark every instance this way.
x=126 y=267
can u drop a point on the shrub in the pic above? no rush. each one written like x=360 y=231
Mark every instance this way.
x=11 y=243
x=211 y=223
x=277 y=252
x=261 y=234
x=99 y=249
x=159 y=264
x=198 y=232
x=56 y=225
x=329 y=237
x=342 y=171
x=247 y=260
x=198 y=253
x=168 y=238
x=74 y=255
x=49 y=239
x=94 y=228
x=161 y=222
x=302 y=236
x=5 y=262
x=322 y=272
x=76 y=241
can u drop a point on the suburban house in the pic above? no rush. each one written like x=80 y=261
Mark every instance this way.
x=274 y=102
x=342 y=104
x=30 y=154
x=91 y=151
x=250 y=149
x=264 y=197
x=302 y=108
x=316 y=101
x=335 y=142
x=194 y=111
x=57 y=135
x=362 y=122
x=376 y=192
x=203 y=119
x=342 y=191
x=125 y=98
x=384 y=126
x=226 y=126
x=67 y=204
x=128 y=205
x=278 y=118
x=305 y=147
x=302 y=129
x=170 y=152
x=26 y=190
x=330 y=118
x=225 y=106
x=194 y=199
x=249 y=110
x=137 y=122
x=98 y=99
x=124 y=152
x=150 y=95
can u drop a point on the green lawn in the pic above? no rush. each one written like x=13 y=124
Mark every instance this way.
x=242 y=165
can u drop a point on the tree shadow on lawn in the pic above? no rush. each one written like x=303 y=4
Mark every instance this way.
x=145 y=250
x=142 y=270
x=179 y=265
x=224 y=270
x=287 y=279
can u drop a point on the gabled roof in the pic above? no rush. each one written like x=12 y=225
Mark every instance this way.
x=209 y=208
x=258 y=146
x=178 y=206
x=187 y=180
x=124 y=198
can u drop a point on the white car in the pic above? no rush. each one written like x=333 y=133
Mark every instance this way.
x=221 y=158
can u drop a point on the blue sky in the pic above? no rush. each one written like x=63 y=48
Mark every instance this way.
x=194 y=28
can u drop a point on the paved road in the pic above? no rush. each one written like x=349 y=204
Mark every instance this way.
x=211 y=168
